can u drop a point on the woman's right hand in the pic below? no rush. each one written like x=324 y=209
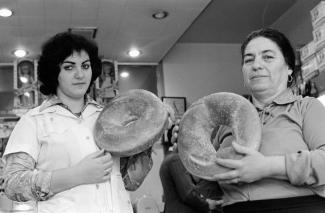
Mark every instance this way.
x=95 y=168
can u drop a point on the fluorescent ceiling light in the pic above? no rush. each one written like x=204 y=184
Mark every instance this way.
x=27 y=94
x=161 y=14
x=23 y=79
x=20 y=53
x=5 y=12
x=134 y=53
x=124 y=74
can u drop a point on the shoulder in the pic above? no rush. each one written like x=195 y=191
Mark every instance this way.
x=94 y=106
x=310 y=107
x=33 y=111
x=310 y=102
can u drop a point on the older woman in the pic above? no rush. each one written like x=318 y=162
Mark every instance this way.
x=287 y=174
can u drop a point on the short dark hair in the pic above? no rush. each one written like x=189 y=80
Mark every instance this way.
x=55 y=51
x=283 y=43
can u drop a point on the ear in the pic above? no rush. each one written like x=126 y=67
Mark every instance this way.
x=290 y=71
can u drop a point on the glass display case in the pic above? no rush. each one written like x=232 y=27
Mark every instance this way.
x=6 y=87
x=25 y=84
x=106 y=85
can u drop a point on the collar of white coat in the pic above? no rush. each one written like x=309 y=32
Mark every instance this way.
x=54 y=104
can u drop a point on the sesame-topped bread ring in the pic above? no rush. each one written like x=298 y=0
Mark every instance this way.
x=195 y=147
x=131 y=123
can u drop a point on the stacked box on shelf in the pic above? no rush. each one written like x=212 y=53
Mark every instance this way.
x=307 y=52
x=320 y=58
x=312 y=54
x=319 y=37
x=318 y=15
x=318 y=23
x=309 y=68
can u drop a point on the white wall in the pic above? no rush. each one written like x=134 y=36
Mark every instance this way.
x=195 y=70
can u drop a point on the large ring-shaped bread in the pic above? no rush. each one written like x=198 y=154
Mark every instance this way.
x=131 y=123
x=196 y=126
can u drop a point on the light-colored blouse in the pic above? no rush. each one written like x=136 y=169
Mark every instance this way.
x=294 y=127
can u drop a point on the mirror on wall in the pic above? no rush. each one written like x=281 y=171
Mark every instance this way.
x=6 y=87
x=25 y=84
x=133 y=76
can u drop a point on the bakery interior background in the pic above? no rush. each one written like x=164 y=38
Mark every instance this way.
x=192 y=52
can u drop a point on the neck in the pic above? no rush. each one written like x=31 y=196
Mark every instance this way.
x=261 y=99
x=260 y=102
x=74 y=104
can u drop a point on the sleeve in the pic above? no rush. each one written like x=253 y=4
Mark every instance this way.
x=22 y=182
x=23 y=138
x=134 y=169
x=306 y=167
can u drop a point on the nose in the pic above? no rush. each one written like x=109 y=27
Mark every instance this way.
x=79 y=73
x=256 y=64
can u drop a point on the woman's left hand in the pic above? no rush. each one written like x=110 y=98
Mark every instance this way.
x=252 y=167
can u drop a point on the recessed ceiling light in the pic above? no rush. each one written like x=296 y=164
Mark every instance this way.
x=27 y=94
x=124 y=74
x=134 y=53
x=161 y=14
x=23 y=79
x=20 y=53
x=5 y=12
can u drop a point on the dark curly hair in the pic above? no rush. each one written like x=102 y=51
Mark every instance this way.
x=283 y=43
x=55 y=51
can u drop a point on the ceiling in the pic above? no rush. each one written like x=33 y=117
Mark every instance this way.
x=229 y=21
x=122 y=24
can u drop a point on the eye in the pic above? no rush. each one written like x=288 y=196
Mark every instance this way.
x=248 y=60
x=86 y=66
x=268 y=57
x=67 y=67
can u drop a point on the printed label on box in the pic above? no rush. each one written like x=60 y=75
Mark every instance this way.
x=319 y=37
x=318 y=14
x=307 y=51
x=309 y=67
x=320 y=58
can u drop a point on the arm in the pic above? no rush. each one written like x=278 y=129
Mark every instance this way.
x=307 y=167
x=252 y=167
x=92 y=169
x=22 y=183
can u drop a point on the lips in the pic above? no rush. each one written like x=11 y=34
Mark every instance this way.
x=257 y=77
x=79 y=83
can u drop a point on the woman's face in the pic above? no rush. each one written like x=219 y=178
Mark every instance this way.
x=264 y=68
x=75 y=76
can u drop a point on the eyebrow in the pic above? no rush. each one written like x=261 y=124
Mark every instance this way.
x=263 y=52
x=71 y=62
